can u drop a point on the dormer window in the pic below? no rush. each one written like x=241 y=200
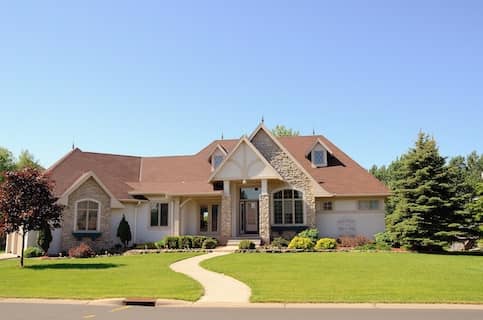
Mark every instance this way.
x=319 y=156
x=217 y=160
x=216 y=157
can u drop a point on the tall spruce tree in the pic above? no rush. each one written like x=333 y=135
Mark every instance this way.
x=423 y=211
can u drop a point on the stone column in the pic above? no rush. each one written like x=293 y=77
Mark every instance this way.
x=226 y=214
x=264 y=211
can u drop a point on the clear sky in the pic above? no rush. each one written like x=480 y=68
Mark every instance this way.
x=162 y=78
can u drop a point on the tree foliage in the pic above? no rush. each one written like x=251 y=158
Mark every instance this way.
x=28 y=203
x=27 y=159
x=124 y=231
x=283 y=131
x=432 y=200
x=7 y=161
x=44 y=238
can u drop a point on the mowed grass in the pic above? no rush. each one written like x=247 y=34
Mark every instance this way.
x=96 y=278
x=356 y=277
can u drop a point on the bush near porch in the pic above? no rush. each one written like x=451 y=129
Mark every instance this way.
x=97 y=278
x=356 y=277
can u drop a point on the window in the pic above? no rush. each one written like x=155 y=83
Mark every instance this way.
x=368 y=204
x=209 y=218
x=288 y=207
x=159 y=215
x=217 y=160
x=87 y=216
x=327 y=205
x=318 y=156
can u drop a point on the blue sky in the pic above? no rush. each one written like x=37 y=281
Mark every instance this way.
x=156 y=78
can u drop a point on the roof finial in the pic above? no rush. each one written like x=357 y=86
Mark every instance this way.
x=222 y=137
x=263 y=119
x=73 y=144
x=313 y=132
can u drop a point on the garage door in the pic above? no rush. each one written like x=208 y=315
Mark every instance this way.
x=338 y=224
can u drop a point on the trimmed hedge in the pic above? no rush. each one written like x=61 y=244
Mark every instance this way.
x=246 y=245
x=209 y=243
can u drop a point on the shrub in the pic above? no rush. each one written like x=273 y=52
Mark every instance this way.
x=351 y=242
x=326 y=243
x=209 y=243
x=124 y=231
x=312 y=234
x=246 y=245
x=383 y=238
x=33 y=252
x=301 y=243
x=44 y=238
x=159 y=244
x=197 y=241
x=171 y=242
x=147 y=245
x=280 y=242
x=81 y=251
x=185 y=242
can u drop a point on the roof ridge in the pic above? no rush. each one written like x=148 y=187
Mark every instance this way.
x=58 y=162
x=111 y=154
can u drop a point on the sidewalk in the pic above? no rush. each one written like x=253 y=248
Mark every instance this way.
x=6 y=256
x=218 y=287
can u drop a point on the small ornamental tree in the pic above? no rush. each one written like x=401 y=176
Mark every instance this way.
x=124 y=232
x=44 y=238
x=27 y=203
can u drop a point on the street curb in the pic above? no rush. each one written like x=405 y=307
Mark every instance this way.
x=167 y=303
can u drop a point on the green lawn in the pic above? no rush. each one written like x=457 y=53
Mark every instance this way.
x=356 y=277
x=110 y=277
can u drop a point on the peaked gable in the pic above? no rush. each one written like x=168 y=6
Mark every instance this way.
x=244 y=162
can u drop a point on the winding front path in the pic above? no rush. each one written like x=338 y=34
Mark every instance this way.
x=218 y=287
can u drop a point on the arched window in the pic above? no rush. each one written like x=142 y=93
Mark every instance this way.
x=288 y=207
x=87 y=216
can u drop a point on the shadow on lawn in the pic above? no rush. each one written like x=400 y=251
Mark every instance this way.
x=74 y=266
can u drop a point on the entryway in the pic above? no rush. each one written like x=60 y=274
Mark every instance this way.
x=249 y=211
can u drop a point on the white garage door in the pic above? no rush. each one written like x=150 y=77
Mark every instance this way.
x=338 y=224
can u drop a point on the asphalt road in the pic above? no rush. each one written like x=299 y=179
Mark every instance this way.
x=17 y=311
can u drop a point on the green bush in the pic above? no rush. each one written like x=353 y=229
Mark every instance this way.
x=171 y=242
x=326 y=243
x=312 y=234
x=185 y=242
x=147 y=245
x=246 y=245
x=197 y=241
x=383 y=238
x=209 y=243
x=33 y=252
x=301 y=243
x=280 y=242
x=159 y=244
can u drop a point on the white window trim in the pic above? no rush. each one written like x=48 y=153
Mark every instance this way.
x=98 y=227
x=318 y=147
x=210 y=217
x=331 y=206
x=159 y=215
x=272 y=209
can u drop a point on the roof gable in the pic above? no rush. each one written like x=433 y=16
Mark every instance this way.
x=244 y=162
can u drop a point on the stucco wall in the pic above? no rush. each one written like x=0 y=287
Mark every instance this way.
x=347 y=220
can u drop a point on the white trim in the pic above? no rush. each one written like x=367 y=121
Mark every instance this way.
x=275 y=174
x=318 y=190
x=98 y=227
x=272 y=203
x=318 y=141
x=64 y=198
x=159 y=226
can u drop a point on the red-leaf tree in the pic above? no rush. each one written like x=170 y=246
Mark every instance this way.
x=27 y=203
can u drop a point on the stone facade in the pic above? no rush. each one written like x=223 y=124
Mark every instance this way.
x=88 y=190
x=226 y=222
x=264 y=216
x=290 y=172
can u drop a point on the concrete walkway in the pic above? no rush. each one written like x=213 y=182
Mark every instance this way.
x=5 y=256
x=218 y=287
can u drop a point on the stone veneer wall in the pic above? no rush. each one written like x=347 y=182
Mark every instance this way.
x=226 y=223
x=264 y=211
x=88 y=190
x=290 y=172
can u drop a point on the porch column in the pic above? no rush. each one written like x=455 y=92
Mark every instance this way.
x=264 y=206
x=225 y=231
x=176 y=217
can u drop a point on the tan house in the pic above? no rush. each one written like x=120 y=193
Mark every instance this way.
x=258 y=187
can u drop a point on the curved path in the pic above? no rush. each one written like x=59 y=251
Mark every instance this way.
x=218 y=287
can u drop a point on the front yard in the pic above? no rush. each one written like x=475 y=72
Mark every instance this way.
x=96 y=278
x=356 y=277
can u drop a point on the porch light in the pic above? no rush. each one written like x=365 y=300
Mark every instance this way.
x=244 y=181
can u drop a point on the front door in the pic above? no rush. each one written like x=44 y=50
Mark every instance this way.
x=249 y=216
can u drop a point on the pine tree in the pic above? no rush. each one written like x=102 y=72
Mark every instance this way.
x=44 y=238
x=124 y=231
x=423 y=210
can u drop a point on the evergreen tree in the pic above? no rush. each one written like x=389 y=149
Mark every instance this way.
x=423 y=210
x=124 y=231
x=44 y=238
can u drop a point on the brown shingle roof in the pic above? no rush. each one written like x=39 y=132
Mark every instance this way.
x=123 y=175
